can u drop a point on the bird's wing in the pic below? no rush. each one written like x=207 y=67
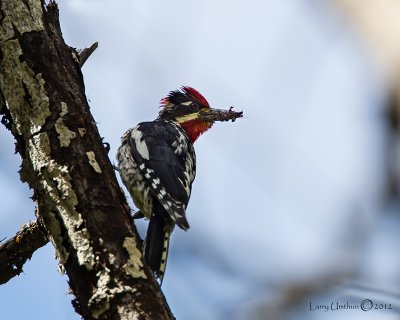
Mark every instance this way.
x=166 y=163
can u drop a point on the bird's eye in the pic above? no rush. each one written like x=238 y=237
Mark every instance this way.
x=193 y=106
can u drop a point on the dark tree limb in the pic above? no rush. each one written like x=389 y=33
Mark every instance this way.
x=64 y=162
x=32 y=236
x=15 y=251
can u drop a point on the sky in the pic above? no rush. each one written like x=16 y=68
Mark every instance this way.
x=288 y=197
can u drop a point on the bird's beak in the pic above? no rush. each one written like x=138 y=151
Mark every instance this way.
x=212 y=115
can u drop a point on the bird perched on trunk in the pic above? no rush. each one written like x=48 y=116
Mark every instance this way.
x=157 y=164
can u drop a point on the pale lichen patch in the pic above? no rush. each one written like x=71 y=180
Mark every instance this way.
x=24 y=91
x=56 y=182
x=111 y=258
x=72 y=219
x=100 y=300
x=84 y=249
x=75 y=56
x=64 y=134
x=128 y=312
x=134 y=266
x=40 y=109
x=60 y=269
x=92 y=161
x=17 y=15
x=39 y=148
x=56 y=237
x=82 y=131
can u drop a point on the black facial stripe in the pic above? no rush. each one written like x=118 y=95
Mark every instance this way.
x=179 y=111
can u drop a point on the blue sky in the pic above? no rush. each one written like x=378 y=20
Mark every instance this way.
x=288 y=196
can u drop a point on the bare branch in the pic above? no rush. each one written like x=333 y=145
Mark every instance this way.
x=15 y=251
x=85 y=53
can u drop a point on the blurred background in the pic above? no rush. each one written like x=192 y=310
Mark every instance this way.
x=296 y=206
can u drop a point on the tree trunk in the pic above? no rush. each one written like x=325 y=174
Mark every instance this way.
x=64 y=162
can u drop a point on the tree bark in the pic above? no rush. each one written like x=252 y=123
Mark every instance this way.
x=64 y=162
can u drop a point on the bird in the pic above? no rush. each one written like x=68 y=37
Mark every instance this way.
x=157 y=164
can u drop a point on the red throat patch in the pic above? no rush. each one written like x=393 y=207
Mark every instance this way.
x=195 y=128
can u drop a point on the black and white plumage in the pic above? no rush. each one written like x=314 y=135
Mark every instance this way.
x=157 y=164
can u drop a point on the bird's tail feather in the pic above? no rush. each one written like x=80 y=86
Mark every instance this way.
x=156 y=245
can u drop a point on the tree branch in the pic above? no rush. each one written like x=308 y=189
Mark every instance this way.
x=85 y=53
x=15 y=251
x=64 y=162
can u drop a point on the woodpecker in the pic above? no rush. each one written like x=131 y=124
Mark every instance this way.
x=157 y=164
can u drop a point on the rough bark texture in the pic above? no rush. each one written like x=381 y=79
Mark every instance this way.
x=65 y=163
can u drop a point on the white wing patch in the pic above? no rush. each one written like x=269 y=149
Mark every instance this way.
x=141 y=146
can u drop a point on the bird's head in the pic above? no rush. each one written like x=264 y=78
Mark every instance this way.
x=191 y=111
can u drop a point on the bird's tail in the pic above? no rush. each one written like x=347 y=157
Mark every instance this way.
x=157 y=243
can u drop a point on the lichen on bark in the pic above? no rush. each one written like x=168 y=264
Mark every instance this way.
x=64 y=134
x=64 y=161
x=134 y=265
